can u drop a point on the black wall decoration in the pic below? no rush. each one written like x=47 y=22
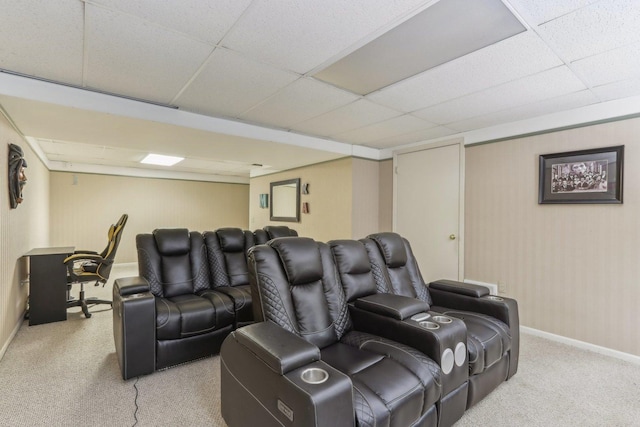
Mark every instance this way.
x=17 y=177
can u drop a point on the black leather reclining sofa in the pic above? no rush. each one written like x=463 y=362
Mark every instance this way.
x=327 y=307
x=191 y=292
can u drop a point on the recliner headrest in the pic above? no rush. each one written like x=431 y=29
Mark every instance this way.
x=231 y=239
x=172 y=241
x=351 y=256
x=392 y=247
x=301 y=259
x=279 y=231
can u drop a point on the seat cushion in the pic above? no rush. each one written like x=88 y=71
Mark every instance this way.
x=190 y=314
x=241 y=296
x=393 y=384
x=488 y=339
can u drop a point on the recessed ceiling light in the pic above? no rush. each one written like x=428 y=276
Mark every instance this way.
x=159 y=159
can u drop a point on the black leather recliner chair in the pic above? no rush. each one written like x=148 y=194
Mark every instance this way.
x=227 y=258
x=169 y=314
x=309 y=363
x=492 y=322
x=442 y=338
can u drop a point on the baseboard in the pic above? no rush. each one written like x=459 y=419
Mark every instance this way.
x=4 y=348
x=583 y=345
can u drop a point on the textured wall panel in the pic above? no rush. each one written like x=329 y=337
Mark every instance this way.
x=82 y=209
x=573 y=268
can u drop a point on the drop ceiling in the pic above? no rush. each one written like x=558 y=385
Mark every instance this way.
x=231 y=84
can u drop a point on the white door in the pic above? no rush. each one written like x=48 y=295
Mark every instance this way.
x=428 y=209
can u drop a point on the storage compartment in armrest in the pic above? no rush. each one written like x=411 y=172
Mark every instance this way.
x=461 y=288
x=281 y=350
x=395 y=306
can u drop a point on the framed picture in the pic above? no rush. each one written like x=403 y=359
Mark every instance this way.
x=585 y=176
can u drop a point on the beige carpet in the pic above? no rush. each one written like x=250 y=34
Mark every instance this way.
x=66 y=374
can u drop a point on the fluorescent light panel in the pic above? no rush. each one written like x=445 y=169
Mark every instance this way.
x=161 y=160
x=441 y=33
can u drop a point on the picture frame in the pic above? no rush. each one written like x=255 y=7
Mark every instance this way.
x=584 y=176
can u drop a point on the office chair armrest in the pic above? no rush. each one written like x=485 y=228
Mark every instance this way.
x=130 y=285
x=83 y=257
x=82 y=251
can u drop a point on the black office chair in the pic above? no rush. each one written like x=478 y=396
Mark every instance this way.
x=87 y=266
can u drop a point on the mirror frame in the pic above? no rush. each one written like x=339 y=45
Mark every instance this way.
x=296 y=218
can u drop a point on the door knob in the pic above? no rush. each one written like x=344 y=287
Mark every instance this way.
x=452 y=237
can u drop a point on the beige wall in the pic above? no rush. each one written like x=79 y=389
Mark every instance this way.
x=83 y=209
x=21 y=229
x=574 y=269
x=345 y=199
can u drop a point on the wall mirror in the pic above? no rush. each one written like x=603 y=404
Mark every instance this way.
x=285 y=200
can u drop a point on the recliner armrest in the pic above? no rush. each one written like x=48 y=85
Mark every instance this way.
x=395 y=306
x=461 y=288
x=278 y=348
x=130 y=285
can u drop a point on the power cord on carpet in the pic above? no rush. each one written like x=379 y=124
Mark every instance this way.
x=135 y=401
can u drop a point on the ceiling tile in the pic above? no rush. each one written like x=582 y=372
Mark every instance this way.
x=547 y=106
x=597 y=28
x=123 y=56
x=301 y=35
x=207 y=21
x=618 y=64
x=510 y=59
x=389 y=128
x=301 y=100
x=618 y=90
x=544 y=85
x=541 y=11
x=355 y=115
x=408 y=138
x=43 y=38
x=231 y=84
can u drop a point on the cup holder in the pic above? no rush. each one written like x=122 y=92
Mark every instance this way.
x=429 y=325
x=442 y=319
x=495 y=298
x=314 y=376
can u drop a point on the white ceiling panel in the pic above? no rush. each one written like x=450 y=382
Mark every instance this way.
x=301 y=100
x=540 y=11
x=355 y=115
x=42 y=38
x=207 y=21
x=597 y=28
x=408 y=138
x=389 y=128
x=617 y=90
x=547 y=106
x=510 y=59
x=123 y=56
x=231 y=84
x=301 y=35
x=618 y=64
x=548 y=84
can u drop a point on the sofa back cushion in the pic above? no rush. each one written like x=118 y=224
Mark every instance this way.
x=173 y=261
x=227 y=256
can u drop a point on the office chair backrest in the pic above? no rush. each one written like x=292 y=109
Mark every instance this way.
x=109 y=253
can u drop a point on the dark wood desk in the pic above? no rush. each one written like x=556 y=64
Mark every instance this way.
x=47 y=284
